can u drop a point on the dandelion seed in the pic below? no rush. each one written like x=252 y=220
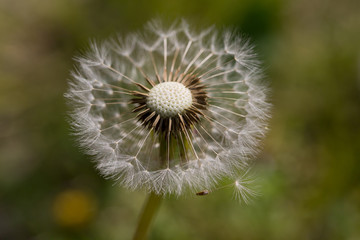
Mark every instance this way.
x=245 y=188
x=170 y=110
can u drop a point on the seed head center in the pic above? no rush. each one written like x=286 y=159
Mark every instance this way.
x=169 y=99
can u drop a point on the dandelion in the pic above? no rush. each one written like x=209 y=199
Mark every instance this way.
x=170 y=110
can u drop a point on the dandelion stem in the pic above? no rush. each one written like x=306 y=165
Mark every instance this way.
x=152 y=204
x=148 y=213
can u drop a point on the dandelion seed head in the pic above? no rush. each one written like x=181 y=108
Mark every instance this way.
x=170 y=109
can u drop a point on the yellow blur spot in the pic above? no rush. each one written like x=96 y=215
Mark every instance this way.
x=73 y=208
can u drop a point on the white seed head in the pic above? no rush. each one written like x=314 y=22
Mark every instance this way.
x=200 y=90
x=169 y=99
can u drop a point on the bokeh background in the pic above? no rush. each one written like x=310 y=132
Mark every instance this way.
x=310 y=165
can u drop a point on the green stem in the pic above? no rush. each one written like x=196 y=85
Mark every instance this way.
x=149 y=210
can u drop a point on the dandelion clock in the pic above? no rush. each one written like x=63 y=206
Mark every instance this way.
x=171 y=110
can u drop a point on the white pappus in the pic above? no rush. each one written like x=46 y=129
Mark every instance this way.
x=169 y=109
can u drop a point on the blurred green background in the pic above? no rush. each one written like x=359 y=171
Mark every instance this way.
x=310 y=165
